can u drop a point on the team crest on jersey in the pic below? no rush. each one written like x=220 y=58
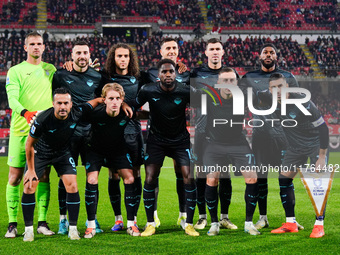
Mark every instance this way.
x=178 y=100
x=122 y=123
x=132 y=79
x=7 y=80
x=89 y=83
x=179 y=79
x=292 y=114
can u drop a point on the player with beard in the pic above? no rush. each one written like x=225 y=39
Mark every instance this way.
x=49 y=144
x=169 y=50
x=122 y=67
x=268 y=143
x=168 y=136
x=82 y=83
x=202 y=78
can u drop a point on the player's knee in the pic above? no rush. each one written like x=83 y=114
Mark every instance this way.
x=92 y=180
x=30 y=190
x=129 y=180
x=212 y=182
x=150 y=180
x=14 y=180
x=71 y=187
x=45 y=177
x=251 y=180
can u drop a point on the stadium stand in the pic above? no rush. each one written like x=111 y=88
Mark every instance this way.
x=326 y=52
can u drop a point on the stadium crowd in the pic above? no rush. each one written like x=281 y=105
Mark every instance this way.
x=326 y=52
x=188 y=13
x=12 y=12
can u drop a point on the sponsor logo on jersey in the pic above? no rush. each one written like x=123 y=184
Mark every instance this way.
x=179 y=79
x=101 y=124
x=29 y=73
x=204 y=77
x=51 y=130
x=257 y=81
x=155 y=99
x=7 y=80
x=69 y=82
x=47 y=72
x=178 y=100
x=73 y=125
x=122 y=123
x=89 y=83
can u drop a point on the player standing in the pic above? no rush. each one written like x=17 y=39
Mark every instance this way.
x=227 y=141
x=28 y=86
x=308 y=139
x=168 y=136
x=268 y=143
x=169 y=50
x=202 y=76
x=82 y=83
x=122 y=67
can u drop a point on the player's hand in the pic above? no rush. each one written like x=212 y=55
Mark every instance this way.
x=34 y=117
x=68 y=66
x=29 y=177
x=95 y=64
x=29 y=116
x=320 y=164
x=128 y=110
x=181 y=67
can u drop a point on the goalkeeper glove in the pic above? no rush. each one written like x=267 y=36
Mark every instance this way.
x=28 y=115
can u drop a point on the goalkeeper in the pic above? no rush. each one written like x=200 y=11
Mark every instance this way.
x=28 y=86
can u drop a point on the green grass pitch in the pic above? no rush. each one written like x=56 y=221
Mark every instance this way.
x=169 y=238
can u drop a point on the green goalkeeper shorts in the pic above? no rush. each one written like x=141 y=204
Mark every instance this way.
x=16 y=151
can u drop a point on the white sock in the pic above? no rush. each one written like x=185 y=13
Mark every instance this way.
x=91 y=224
x=63 y=217
x=187 y=224
x=130 y=223
x=135 y=219
x=290 y=219
x=319 y=222
x=155 y=215
x=224 y=216
x=182 y=214
x=248 y=223
x=151 y=223
x=202 y=216
x=72 y=228
x=263 y=217
x=29 y=228
x=119 y=217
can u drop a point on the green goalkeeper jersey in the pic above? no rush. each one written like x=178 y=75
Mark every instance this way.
x=28 y=87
